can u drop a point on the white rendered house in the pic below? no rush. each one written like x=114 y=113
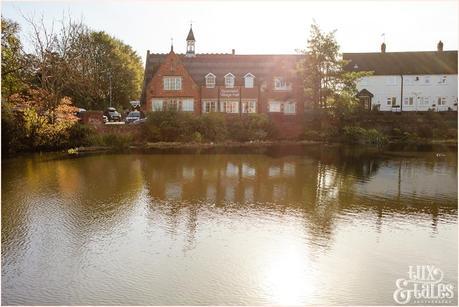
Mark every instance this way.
x=407 y=81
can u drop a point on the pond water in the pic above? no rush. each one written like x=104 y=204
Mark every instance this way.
x=309 y=225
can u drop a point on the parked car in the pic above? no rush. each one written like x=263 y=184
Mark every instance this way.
x=112 y=115
x=133 y=116
x=104 y=119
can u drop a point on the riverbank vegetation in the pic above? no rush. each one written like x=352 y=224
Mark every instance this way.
x=74 y=66
x=66 y=67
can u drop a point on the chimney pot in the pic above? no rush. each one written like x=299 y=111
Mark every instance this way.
x=233 y=52
x=440 y=46
x=383 y=47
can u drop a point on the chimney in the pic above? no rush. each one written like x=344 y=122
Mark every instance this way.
x=383 y=47
x=440 y=46
x=233 y=52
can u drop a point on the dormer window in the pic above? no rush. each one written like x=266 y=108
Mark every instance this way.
x=281 y=84
x=248 y=80
x=229 y=80
x=210 y=80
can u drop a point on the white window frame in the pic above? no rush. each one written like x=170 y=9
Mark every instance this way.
x=229 y=80
x=274 y=106
x=408 y=101
x=209 y=106
x=249 y=80
x=157 y=105
x=289 y=107
x=188 y=105
x=230 y=106
x=280 y=84
x=210 y=80
x=249 y=106
x=441 y=101
x=172 y=83
x=391 y=101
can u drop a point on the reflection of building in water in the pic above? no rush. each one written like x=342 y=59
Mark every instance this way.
x=320 y=189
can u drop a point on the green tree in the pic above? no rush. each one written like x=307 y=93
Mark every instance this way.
x=326 y=82
x=102 y=60
x=13 y=59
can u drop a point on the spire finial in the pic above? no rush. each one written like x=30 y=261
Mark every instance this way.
x=172 y=44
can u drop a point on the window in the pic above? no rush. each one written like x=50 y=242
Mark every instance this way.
x=209 y=106
x=172 y=83
x=391 y=80
x=289 y=108
x=157 y=105
x=229 y=80
x=443 y=80
x=408 y=101
x=248 y=80
x=172 y=104
x=391 y=101
x=281 y=84
x=441 y=101
x=210 y=80
x=231 y=106
x=188 y=105
x=427 y=80
x=274 y=106
x=249 y=106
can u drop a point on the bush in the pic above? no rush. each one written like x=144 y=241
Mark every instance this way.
x=212 y=127
x=117 y=141
x=250 y=127
x=359 y=135
x=312 y=135
x=172 y=126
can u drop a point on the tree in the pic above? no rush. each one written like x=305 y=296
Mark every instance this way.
x=104 y=59
x=53 y=56
x=14 y=61
x=326 y=82
x=72 y=60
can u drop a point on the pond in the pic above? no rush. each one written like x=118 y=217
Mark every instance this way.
x=309 y=225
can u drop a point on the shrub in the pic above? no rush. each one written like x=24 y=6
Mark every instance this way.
x=359 y=135
x=212 y=127
x=312 y=135
x=117 y=141
x=170 y=126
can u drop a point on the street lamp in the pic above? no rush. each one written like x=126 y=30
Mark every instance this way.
x=110 y=87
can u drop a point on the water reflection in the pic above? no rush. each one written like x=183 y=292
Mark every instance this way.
x=247 y=228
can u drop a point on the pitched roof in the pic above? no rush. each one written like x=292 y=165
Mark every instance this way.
x=190 y=36
x=261 y=66
x=409 y=63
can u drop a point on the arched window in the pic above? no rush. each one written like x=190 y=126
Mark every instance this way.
x=248 y=80
x=229 y=80
x=210 y=80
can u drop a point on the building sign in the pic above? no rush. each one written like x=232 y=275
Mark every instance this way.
x=229 y=93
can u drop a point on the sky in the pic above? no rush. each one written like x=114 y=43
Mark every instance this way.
x=257 y=27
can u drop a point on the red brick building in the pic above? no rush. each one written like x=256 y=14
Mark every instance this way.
x=228 y=83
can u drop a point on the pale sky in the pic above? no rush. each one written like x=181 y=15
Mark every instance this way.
x=263 y=27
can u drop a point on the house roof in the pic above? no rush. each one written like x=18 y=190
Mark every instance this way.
x=261 y=66
x=409 y=63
